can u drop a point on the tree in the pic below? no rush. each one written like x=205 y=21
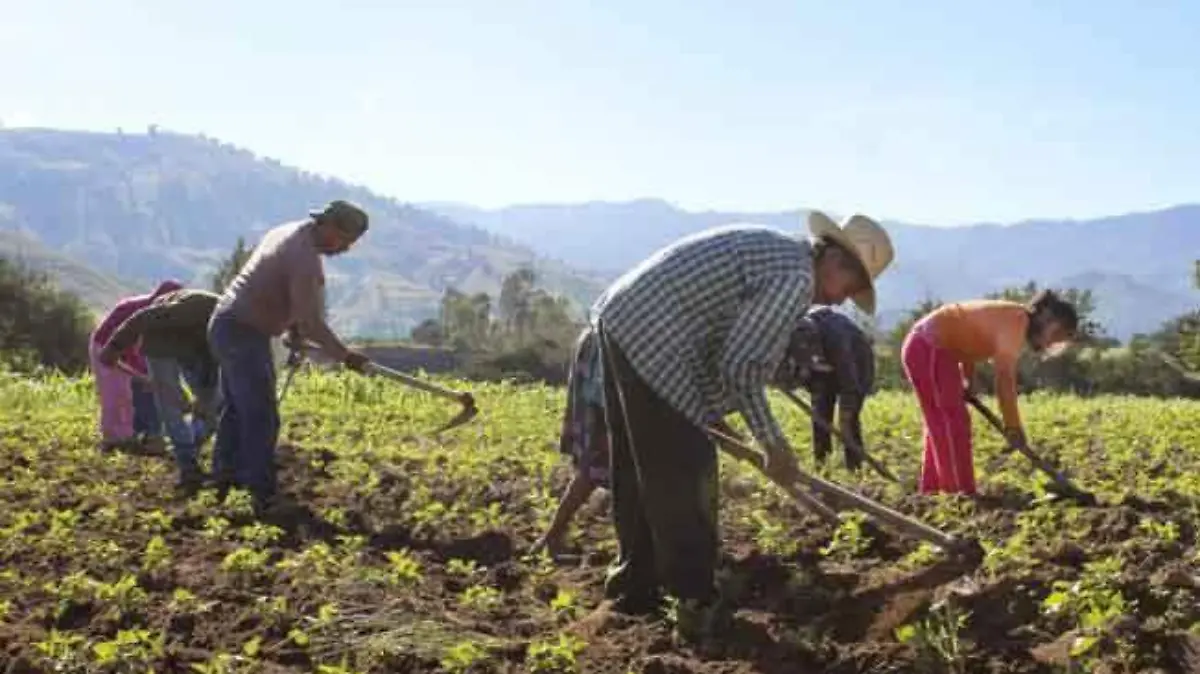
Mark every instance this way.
x=897 y=334
x=516 y=299
x=429 y=332
x=231 y=266
x=39 y=323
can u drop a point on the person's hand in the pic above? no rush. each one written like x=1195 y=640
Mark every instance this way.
x=356 y=361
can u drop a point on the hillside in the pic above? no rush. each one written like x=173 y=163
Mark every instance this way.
x=154 y=205
x=97 y=290
x=1138 y=265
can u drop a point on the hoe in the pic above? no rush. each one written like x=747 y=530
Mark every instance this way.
x=469 y=409
x=967 y=550
x=1062 y=485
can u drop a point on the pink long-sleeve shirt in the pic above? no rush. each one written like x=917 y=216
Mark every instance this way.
x=123 y=310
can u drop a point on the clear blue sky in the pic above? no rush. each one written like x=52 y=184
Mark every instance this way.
x=931 y=112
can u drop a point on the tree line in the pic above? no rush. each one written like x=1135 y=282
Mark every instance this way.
x=527 y=332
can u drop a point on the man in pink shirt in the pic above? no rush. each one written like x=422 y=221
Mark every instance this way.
x=280 y=289
x=114 y=383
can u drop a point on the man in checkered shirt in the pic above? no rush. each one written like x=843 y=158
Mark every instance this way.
x=693 y=333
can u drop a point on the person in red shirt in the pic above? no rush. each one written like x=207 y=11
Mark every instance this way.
x=114 y=382
x=939 y=356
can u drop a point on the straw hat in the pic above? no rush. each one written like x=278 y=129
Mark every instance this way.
x=866 y=240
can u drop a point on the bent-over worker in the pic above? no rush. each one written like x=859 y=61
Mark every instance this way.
x=280 y=288
x=841 y=380
x=173 y=331
x=693 y=333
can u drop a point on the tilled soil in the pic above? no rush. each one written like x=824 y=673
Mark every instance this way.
x=801 y=612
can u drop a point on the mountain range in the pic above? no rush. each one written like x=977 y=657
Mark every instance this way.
x=109 y=214
x=136 y=208
x=1138 y=266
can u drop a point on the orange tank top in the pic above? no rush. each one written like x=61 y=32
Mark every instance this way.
x=981 y=330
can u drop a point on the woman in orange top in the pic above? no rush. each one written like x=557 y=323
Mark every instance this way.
x=939 y=357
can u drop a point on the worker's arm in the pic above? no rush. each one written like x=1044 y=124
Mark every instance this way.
x=756 y=345
x=968 y=373
x=307 y=291
x=1007 y=354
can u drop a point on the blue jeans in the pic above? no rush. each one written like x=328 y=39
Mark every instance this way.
x=244 y=451
x=168 y=376
x=145 y=410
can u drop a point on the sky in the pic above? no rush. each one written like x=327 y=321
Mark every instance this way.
x=931 y=112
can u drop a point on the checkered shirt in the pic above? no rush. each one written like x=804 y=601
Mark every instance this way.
x=705 y=321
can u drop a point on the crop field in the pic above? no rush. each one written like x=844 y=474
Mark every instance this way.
x=408 y=553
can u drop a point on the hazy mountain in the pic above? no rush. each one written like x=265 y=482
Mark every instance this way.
x=97 y=289
x=1138 y=265
x=148 y=206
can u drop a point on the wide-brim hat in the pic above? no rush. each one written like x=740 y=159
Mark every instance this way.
x=866 y=240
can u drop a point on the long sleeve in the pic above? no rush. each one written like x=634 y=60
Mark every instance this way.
x=307 y=290
x=756 y=345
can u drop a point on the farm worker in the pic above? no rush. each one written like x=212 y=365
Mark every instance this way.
x=280 y=288
x=113 y=382
x=840 y=377
x=173 y=332
x=939 y=356
x=694 y=332
x=584 y=438
x=828 y=354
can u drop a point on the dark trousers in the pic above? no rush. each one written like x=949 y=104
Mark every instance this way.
x=664 y=493
x=824 y=402
x=244 y=450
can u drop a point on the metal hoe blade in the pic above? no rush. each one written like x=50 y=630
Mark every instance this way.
x=469 y=409
x=468 y=412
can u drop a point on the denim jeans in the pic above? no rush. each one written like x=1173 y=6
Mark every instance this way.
x=244 y=451
x=168 y=376
x=145 y=410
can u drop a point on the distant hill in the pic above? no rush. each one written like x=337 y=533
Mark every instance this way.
x=1138 y=265
x=148 y=206
x=98 y=290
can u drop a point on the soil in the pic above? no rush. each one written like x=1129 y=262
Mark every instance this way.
x=797 y=613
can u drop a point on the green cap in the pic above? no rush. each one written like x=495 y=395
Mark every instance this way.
x=344 y=216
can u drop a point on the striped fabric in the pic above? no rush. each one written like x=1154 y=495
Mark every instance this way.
x=705 y=321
